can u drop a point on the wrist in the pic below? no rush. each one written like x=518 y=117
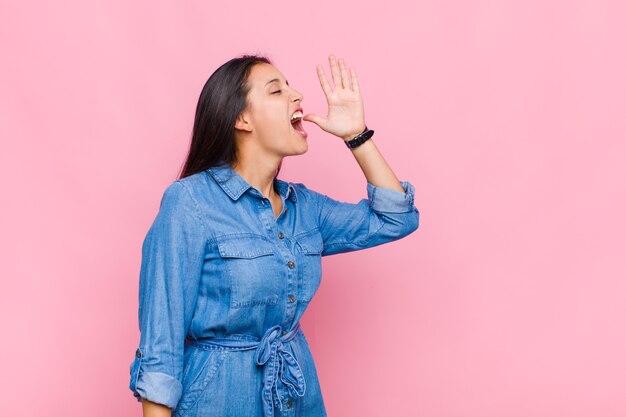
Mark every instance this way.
x=352 y=135
x=359 y=139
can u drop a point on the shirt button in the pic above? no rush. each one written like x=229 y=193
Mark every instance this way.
x=138 y=353
x=286 y=209
x=292 y=298
x=280 y=235
x=288 y=403
x=283 y=332
x=290 y=264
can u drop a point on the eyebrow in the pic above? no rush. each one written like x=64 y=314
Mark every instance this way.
x=274 y=80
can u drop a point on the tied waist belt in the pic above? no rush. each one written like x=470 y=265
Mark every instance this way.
x=281 y=370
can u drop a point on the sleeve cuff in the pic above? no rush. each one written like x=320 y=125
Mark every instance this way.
x=157 y=387
x=391 y=201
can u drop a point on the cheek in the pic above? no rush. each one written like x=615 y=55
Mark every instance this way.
x=270 y=122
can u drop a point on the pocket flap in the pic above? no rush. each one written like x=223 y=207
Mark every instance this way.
x=311 y=243
x=244 y=246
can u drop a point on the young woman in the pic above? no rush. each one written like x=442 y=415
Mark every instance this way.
x=233 y=257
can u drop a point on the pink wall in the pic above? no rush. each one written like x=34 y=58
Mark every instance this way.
x=508 y=117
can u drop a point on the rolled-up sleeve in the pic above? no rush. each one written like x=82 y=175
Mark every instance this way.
x=384 y=216
x=173 y=253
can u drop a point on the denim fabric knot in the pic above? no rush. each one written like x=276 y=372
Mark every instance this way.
x=281 y=369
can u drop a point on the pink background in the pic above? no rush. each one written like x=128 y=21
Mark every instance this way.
x=508 y=117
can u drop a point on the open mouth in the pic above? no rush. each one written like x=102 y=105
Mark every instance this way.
x=296 y=123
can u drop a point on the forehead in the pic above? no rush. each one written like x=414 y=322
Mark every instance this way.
x=262 y=73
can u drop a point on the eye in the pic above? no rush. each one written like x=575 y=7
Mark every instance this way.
x=277 y=91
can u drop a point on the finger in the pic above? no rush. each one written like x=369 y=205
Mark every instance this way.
x=355 y=82
x=314 y=118
x=345 y=79
x=334 y=68
x=323 y=81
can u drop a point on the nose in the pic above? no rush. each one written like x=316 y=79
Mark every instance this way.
x=299 y=96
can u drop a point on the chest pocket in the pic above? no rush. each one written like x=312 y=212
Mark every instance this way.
x=310 y=272
x=251 y=266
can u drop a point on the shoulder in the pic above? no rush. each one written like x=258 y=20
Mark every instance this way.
x=193 y=183
x=175 y=194
x=179 y=201
x=186 y=189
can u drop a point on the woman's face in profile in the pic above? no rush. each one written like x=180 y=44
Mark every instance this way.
x=271 y=102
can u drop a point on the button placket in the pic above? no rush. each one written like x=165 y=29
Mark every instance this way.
x=292 y=280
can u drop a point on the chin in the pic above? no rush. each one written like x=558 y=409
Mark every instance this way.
x=300 y=152
x=306 y=148
x=302 y=147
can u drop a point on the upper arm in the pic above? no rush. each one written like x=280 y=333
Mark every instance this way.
x=384 y=216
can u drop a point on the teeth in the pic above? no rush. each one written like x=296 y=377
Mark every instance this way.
x=297 y=115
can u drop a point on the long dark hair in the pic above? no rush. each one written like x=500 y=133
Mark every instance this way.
x=223 y=98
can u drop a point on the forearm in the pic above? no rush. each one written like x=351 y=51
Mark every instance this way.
x=151 y=409
x=374 y=166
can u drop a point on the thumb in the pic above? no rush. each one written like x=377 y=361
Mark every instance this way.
x=318 y=120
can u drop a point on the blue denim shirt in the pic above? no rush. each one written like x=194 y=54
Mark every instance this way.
x=224 y=282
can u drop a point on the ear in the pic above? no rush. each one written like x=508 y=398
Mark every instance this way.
x=243 y=122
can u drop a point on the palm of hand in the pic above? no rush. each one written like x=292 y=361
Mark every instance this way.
x=345 y=116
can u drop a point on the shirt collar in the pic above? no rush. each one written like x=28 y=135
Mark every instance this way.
x=234 y=185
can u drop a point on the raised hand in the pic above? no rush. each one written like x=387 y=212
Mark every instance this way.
x=346 y=117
